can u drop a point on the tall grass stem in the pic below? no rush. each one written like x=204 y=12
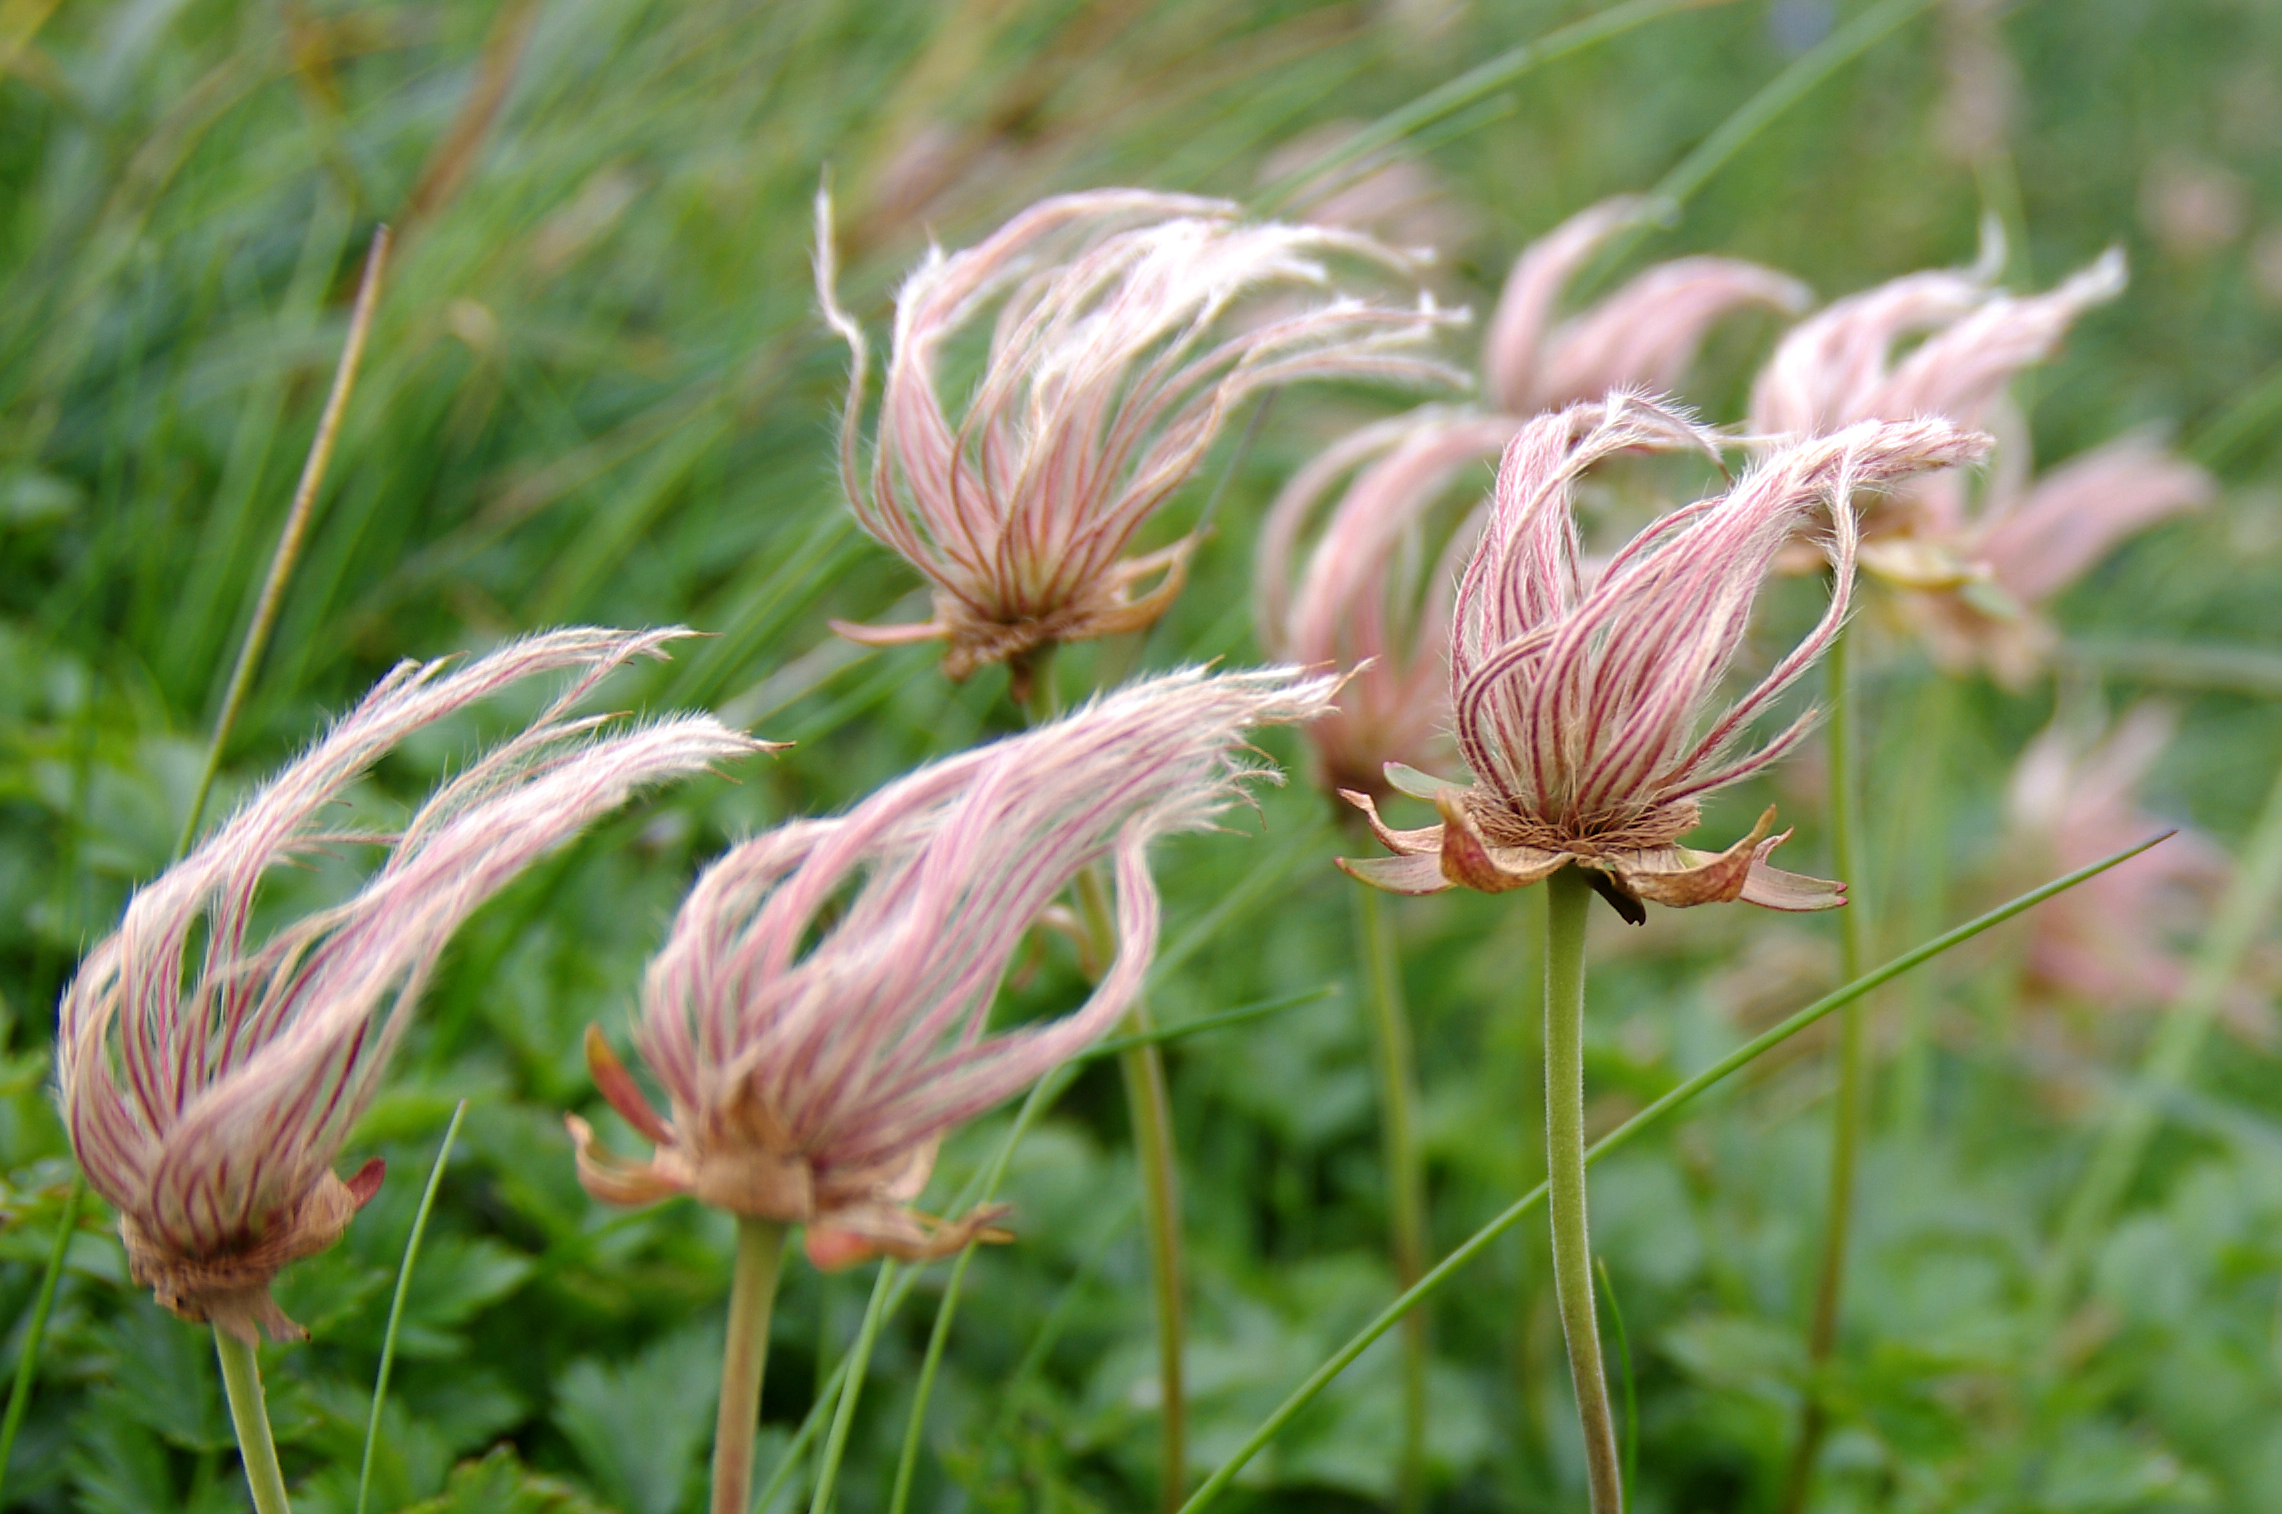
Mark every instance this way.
x=241 y=1381
x=851 y=1390
x=1481 y=1240
x=35 y=1329
x=1565 y=1171
x=744 y=1361
x=396 y=1305
x=295 y=533
x=1853 y=1073
x=1406 y=1180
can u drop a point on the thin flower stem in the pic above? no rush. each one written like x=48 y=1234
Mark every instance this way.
x=28 y=1359
x=744 y=1360
x=396 y=1306
x=851 y=1389
x=2169 y=1060
x=241 y=1380
x=1149 y=1104
x=1406 y=1182
x=1565 y=1171
x=1846 y=1112
x=1481 y=1240
x=296 y=531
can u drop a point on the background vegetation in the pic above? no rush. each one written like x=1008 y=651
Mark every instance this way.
x=597 y=392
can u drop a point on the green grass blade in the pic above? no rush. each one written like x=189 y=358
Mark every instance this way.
x=851 y=1389
x=396 y=1306
x=28 y=1359
x=1624 y=1360
x=1743 y=1055
x=1474 y=85
x=1159 y=1035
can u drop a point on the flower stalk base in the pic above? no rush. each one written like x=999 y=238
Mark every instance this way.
x=241 y=1381
x=744 y=1360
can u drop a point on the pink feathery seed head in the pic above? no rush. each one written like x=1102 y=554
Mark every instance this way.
x=1107 y=378
x=1838 y=367
x=2113 y=941
x=1587 y=711
x=812 y=1064
x=1372 y=595
x=1642 y=336
x=209 y=1080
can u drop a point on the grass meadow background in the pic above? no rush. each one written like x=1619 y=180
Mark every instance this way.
x=597 y=391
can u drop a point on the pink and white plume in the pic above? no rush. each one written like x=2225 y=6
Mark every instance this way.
x=1585 y=711
x=1640 y=337
x=1973 y=577
x=1372 y=596
x=817 y=1016
x=209 y=1080
x=1106 y=380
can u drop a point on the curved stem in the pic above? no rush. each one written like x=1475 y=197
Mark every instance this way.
x=1853 y=1074
x=1406 y=1181
x=1565 y=1173
x=744 y=1360
x=241 y=1380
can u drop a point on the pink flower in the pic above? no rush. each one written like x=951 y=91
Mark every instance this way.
x=1972 y=578
x=1374 y=595
x=1580 y=708
x=812 y=1063
x=2112 y=941
x=209 y=1083
x=1101 y=391
x=1640 y=337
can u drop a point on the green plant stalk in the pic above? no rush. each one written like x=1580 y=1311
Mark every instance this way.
x=1565 y=1171
x=296 y=531
x=1406 y=1181
x=2166 y=1066
x=28 y=1359
x=1631 y=1388
x=1753 y=116
x=396 y=1305
x=1482 y=1239
x=1474 y=85
x=851 y=1389
x=241 y=1381
x=1148 y=1101
x=1923 y=837
x=744 y=1360
x=1853 y=1073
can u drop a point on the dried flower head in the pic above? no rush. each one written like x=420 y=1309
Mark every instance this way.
x=813 y=1063
x=1373 y=596
x=1103 y=387
x=1642 y=336
x=209 y=1081
x=1580 y=708
x=2113 y=941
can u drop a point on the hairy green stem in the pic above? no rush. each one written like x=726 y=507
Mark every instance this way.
x=403 y=1292
x=1846 y=1112
x=241 y=1380
x=2169 y=1060
x=744 y=1360
x=1565 y=1171
x=1406 y=1180
x=1481 y=1240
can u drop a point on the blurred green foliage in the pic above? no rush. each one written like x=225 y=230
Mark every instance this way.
x=597 y=391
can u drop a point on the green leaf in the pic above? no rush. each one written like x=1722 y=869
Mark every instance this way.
x=638 y=1424
x=163 y=1378
x=499 y=1484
